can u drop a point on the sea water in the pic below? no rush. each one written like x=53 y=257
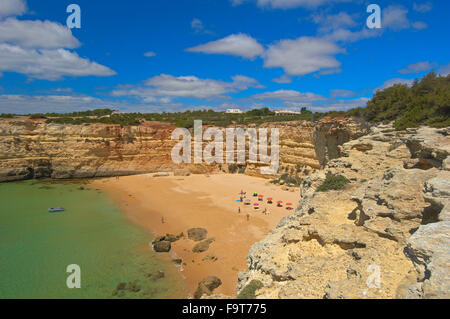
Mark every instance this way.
x=37 y=246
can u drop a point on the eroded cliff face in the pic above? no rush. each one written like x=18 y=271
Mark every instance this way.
x=34 y=149
x=385 y=235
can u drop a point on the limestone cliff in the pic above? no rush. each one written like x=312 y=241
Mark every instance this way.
x=35 y=149
x=384 y=235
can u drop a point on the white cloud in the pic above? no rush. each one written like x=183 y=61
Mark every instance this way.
x=283 y=79
x=36 y=34
x=149 y=54
x=242 y=82
x=395 y=17
x=288 y=95
x=63 y=103
x=423 y=7
x=444 y=70
x=197 y=25
x=303 y=55
x=12 y=8
x=342 y=93
x=419 y=25
x=417 y=67
x=236 y=44
x=38 y=49
x=168 y=86
x=339 y=105
x=345 y=35
x=290 y=4
x=333 y=21
x=393 y=82
x=48 y=64
x=20 y=104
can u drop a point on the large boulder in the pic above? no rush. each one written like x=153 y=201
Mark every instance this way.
x=207 y=286
x=162 y=246
x=202 y=246
x=197 y=234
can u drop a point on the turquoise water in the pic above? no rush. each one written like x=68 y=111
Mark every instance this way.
x=36 y=247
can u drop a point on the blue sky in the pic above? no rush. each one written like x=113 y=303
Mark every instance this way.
x=156 y=55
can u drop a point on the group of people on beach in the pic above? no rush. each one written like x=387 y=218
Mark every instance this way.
x=241 y=200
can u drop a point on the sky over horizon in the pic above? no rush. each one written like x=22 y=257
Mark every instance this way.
x=155 y=56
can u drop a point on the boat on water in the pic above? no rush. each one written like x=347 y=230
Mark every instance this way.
x=56 y=210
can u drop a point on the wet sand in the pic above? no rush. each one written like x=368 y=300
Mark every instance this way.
x=202 y=201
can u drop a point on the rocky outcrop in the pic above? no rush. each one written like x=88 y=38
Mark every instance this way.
x=384 y=235
x=207 y=286
x=203 y=245
x=35 y=149
x=197 y=234
x=162 y=246
x=429 y=246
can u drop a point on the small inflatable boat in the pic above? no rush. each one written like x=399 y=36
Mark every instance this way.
x=56 y=210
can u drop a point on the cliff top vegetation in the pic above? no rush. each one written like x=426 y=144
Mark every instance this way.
x=425 y=102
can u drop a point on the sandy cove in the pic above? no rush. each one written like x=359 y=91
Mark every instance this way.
x=202 y=201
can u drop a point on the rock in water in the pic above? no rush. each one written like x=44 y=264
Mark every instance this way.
x=197 y=234
x=162 y=246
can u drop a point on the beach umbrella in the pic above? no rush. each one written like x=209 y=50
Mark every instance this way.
x=269 y=198
x=280 y=202
x=289 y=204
x=255 y=204
x=260 y=195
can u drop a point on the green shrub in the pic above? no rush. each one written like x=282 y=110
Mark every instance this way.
x=289 y=180
x=241 y=170
x=37 y=116
x=249 y=291
x=426 y=102
x=6 y=116
x=333 y=182
x=232 y=168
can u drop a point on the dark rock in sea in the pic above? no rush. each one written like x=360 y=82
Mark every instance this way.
x=162 y=246
x=207 y=286
x=132 y=286
x=169 y=237
x=121 y=286
x=197 y=234
x=156 y=275
x=178 y=261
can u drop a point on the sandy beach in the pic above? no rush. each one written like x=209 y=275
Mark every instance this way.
x=203 y=201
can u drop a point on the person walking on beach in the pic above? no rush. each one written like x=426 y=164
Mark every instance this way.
x=239 y=210
x=162 y=220
x=248 y=217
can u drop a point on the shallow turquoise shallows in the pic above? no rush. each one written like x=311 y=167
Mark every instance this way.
x=37 y=246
